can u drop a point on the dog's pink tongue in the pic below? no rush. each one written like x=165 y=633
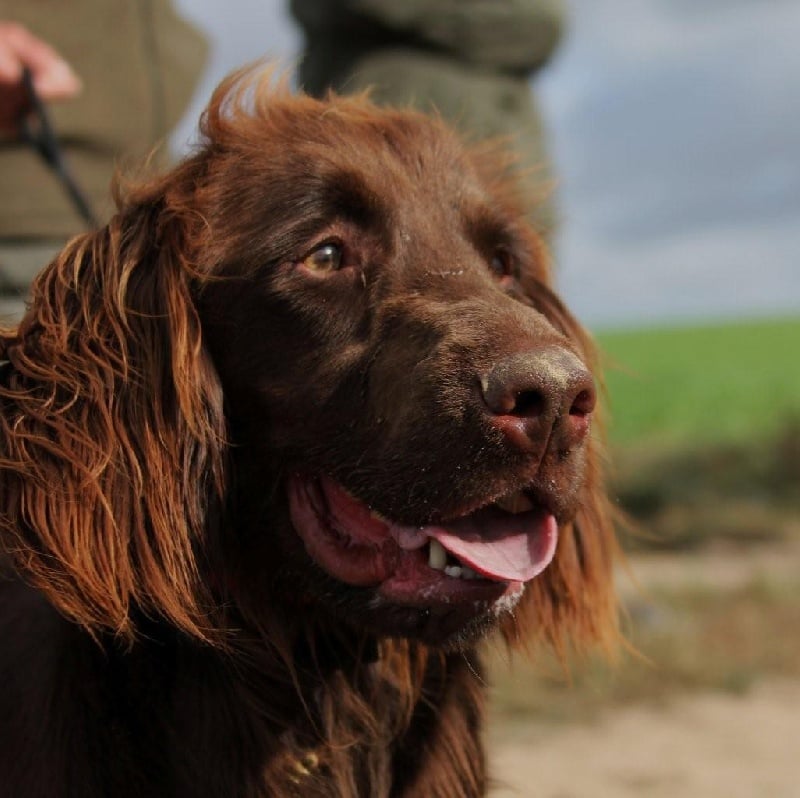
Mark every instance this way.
x=512 y=547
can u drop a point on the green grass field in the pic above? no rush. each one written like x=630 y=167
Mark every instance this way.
x=722 y=383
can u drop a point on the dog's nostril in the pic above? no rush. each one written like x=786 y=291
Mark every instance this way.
x=538 y=395
x=584 y=403
x=528 y=403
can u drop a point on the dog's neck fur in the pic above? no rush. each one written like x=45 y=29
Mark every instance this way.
x=397 y=708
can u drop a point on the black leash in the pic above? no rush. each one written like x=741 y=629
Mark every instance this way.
x=38 y=131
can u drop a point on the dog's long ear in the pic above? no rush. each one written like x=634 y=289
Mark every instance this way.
x=574 y=600
x=111 y=428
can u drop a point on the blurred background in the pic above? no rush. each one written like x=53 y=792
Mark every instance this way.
x=675 y=130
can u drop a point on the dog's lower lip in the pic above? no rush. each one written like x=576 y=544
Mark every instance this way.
x=487 y=549
x=362 y=562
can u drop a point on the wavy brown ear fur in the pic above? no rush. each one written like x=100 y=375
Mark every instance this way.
x=111 y=427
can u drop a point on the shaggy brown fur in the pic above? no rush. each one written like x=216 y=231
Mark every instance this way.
x=324 y=288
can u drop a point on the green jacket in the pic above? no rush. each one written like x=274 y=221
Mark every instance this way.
x=470 y=59
x=138 y=62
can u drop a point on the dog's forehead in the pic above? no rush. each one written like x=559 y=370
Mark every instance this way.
x=401 y=175
x=392 y=148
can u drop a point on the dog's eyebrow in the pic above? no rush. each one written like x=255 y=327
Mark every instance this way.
x=488 y=227
x=346 y=195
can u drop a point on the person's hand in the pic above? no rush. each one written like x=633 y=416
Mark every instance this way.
x=53 y=77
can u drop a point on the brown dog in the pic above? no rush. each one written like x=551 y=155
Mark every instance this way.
x=277 y=446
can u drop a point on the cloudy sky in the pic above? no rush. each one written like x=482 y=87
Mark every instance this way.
x=675 y=127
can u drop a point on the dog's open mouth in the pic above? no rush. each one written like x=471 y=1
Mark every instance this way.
x=485 y=554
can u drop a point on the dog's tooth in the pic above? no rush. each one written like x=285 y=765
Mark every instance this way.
x=453 y=570
x=468 y=573
x=437 y=556
x=514 y=503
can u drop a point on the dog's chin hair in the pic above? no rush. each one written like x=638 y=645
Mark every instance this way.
x=465 y=639
x=434 y=630
x=483 y=625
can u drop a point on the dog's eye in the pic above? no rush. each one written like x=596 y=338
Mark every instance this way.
x=502 y=263
x=325 y=258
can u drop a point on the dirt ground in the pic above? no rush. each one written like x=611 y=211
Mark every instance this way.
x=702 y=746
x=699 y=745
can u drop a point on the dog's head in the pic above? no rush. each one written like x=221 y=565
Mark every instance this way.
x=409 y=407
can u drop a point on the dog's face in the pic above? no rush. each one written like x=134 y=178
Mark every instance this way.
x=409 y=409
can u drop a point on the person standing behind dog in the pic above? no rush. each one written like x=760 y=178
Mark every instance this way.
x=470 y=59
x=116 y=75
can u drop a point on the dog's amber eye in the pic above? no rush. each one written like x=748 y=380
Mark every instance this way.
x=502 y=264
x=325 y=258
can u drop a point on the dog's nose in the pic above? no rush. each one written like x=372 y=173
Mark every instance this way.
x=541 y=398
